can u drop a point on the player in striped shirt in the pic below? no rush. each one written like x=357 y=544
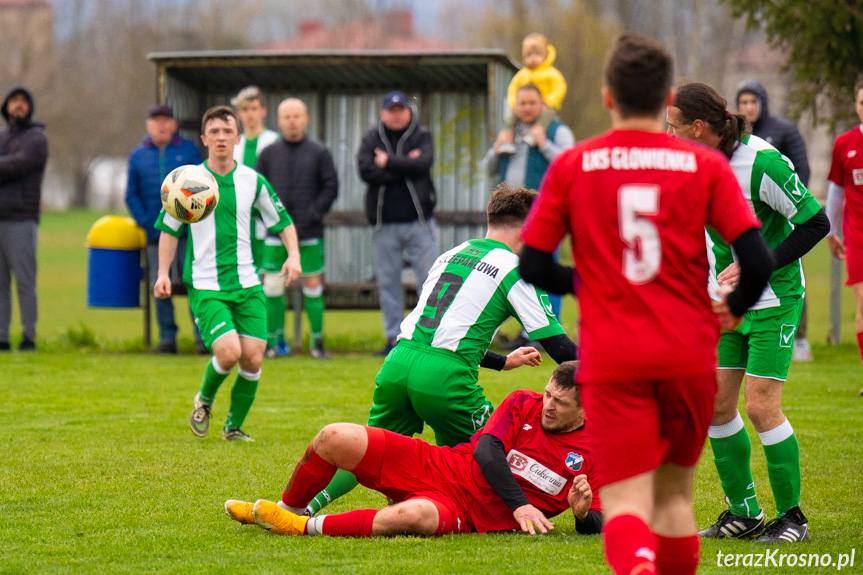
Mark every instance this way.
x=792 y=222
x=471 y=290
x=224 y=288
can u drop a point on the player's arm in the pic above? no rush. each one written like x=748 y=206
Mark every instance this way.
x=291 y=269
x=516 y=358
x=587 y=521
x=801 y=240
x=756 y=265
x=538 y=267
x=167 y=249
x=490 y=455
x=560 y=348
x=835 y=205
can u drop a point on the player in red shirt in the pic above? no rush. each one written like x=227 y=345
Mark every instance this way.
x=635 y=201
x=529 y=463
x=845 y=190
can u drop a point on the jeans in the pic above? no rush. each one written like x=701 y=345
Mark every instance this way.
x=165 y=307
x=420 y=241
x=18 y=258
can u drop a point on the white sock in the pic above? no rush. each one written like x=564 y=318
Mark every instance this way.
x=294 y=510
x=315 y=525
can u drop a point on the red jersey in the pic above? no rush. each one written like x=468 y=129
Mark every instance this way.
x=636 y=204
x=846 y=170
x=544 y=464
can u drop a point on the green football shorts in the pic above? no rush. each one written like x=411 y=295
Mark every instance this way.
x=419 y=383
x=218 y=312
x=763 y=344
x=311 y=256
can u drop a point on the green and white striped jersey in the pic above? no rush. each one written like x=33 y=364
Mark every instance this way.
x=471 y=290
x=219 y=249
x=779 y=199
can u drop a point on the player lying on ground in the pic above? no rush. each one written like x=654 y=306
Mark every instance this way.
x=529 y=463
x=471 y=290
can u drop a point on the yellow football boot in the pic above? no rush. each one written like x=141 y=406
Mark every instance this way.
x=277 y=520
x=240 y=511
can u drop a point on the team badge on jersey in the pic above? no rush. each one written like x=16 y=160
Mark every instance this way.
x=794 y=187
x=574 y=461
x=546 y=305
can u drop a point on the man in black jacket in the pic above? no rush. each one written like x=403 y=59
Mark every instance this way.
x=23 y=153
x=784 y=136
x=395 y=159
x=304 y=177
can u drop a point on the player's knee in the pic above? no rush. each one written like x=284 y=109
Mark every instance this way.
x=227 y=355
x=410 y=517
x=333 y=440
x=760 y=409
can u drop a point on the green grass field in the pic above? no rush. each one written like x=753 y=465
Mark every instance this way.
x=100 y=473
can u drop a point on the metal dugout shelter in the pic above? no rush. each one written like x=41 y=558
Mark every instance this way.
x=460 y=96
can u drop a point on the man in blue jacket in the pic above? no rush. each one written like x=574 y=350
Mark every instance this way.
x=161 y=150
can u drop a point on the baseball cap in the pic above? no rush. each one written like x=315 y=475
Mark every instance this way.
x=161 y=110
x=395 y=98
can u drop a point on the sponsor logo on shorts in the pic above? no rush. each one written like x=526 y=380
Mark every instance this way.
x=786 y=334
x=480 y=416
x=574 y=461
x=858 y=177
x=535 y=472
x=218 y=327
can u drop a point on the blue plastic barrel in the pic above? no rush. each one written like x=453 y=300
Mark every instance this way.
x=114 y=263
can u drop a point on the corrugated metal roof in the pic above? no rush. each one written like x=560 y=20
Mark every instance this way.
x=333 y=69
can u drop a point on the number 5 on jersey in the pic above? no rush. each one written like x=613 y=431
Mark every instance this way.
x=642 y=256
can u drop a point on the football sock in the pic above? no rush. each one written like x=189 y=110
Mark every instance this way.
x=242 y=397
x=630 y=546
x=276 y=308
x=313 y=301
x=783 y=466
x=731 y=452
x=860 y=343
x=343 y=482
x=310 y=475
x=677 y=555
x=214 y=375
x=351 y=524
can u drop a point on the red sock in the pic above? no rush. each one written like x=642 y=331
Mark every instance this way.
x=310 y=476
x=351 y=524
x=860 y=343
x=677 y=555
x=630 y=546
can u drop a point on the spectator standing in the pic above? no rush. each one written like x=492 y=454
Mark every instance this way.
x=783 y=135
x=304 y=177
x=536 y=145
x=845 y=208
x=23 y=153
x=395 y=159
x=161 y=150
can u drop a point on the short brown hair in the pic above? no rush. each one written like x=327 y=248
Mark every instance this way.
x=531 y=88
x=564 y=378
x=508 y=207
x=248 y=95
x=698 y=101
x=219 y=113
x=638 y=71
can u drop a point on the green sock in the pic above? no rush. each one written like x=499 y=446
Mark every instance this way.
x=783 y=466
x=315 y=311
x=242 y=397
x=731 y=452
x=276 y=308
x=213 y=378
x=342 y=482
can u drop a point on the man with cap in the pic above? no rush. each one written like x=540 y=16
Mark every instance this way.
x=23 y=153
x=395 y=159
x=161 y=150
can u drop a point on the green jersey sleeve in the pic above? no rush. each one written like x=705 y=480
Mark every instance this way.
x=169 y=224
x=270 y=207
x=781 y=189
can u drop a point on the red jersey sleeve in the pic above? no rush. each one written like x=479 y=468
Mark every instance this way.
x=507 y=419
x=728 y=213
x=548 y=221
x=836 y=171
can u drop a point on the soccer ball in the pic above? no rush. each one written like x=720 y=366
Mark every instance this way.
x=190 y=194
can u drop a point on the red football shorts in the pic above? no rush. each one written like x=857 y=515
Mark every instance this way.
x=854 y=263
x=636 y=426
x=404 y=468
